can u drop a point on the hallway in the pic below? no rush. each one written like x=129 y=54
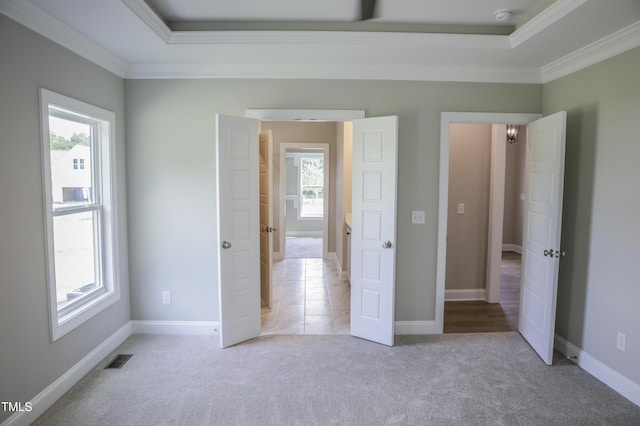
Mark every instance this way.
x=480 y=316
x=308 y=298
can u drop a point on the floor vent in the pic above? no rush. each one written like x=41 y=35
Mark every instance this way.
x=119 y=361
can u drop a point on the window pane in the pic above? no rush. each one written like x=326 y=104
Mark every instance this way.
x=312 y=187
x=74 y=240
x=71 y=176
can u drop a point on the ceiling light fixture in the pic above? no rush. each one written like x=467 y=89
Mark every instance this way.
x=502 y=15
x=512 y=132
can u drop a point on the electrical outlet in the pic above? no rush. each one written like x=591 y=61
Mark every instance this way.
x=166 y=297
x=621 y=343
x=460 y=208
x=417 y=217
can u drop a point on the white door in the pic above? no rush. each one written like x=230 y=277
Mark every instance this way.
x=266 y=216
x=238 y=226
x=373 y=233
x=542 y=224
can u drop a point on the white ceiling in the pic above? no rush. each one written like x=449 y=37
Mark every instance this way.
x=134 y=40
x=433 y=11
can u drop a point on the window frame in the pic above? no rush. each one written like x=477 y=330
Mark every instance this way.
x=300 y=158
x=102 y=205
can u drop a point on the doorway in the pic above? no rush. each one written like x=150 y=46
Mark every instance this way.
x=374 y=162
x=482 y=293
x=542 y=225
x=309 y=296
x=443 y=211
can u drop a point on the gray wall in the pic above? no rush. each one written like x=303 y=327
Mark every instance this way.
x=467 y=234
x=599 y=285
x=171 y=140
x=29 y=362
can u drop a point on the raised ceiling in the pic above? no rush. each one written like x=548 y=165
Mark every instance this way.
x=442 y=40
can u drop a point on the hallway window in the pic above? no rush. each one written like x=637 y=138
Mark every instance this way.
x=311 y=186
x=77 y=145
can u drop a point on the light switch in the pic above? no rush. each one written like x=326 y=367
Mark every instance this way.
x=460 y=208
x=417 y=217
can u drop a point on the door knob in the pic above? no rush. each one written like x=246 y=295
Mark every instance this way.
x=387 y=244
x=548 y=253
x=560 y=253
x=226 y=245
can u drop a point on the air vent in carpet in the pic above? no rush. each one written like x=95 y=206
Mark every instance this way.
x=119 y=361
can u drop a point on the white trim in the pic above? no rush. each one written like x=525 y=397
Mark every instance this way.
x=607 y=47
x=543 y=20
x=465 y=294
x=175 y=327
x=52 y=393
x=496 y=211
x=305 y=234
x=325 y=147
x=333 y=258
x=607 y=375
x=416 y=327
x=150 y=18
x=62 y=321
x=38 y=20
x=512 y=247
x=446 y=119
x=312 y=115
x=336 y=71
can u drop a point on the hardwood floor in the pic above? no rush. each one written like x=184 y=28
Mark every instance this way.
x=483 y=317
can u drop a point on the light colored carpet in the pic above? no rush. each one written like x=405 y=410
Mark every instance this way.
x=456 y=379
x=303 y=247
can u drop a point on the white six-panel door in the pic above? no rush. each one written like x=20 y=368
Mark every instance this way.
x=541 y=239
x=238 y=229
x=373 y=235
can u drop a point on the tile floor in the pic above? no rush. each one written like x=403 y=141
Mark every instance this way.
x=308 y=298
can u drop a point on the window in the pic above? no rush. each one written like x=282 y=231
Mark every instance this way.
x=311 y=186
x=77 y=150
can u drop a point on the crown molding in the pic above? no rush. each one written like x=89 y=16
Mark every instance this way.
x=544 y=19
x=41 y=22
x=150 y=18
x=607 y=47
x=444 y=41
x=334 y=72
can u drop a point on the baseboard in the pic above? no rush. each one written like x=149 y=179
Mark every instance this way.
x=304 y=234
x=333 y=257
x=416 y=327
x=277 y=255
x=175 y=327
x=616 y=381
x=512 y=247
x=52 y=393
x=465 y=294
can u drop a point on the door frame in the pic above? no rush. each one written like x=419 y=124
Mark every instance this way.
x=446 y=119
x=305 y=115
x=283 y=196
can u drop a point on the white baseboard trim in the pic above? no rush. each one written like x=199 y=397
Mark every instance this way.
x=616 y=381
x=416 y=327
x=45 y=399
x=465 y=294
x=333 y=257
x=175 y=327
x=512 y=247
x=304 y=234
